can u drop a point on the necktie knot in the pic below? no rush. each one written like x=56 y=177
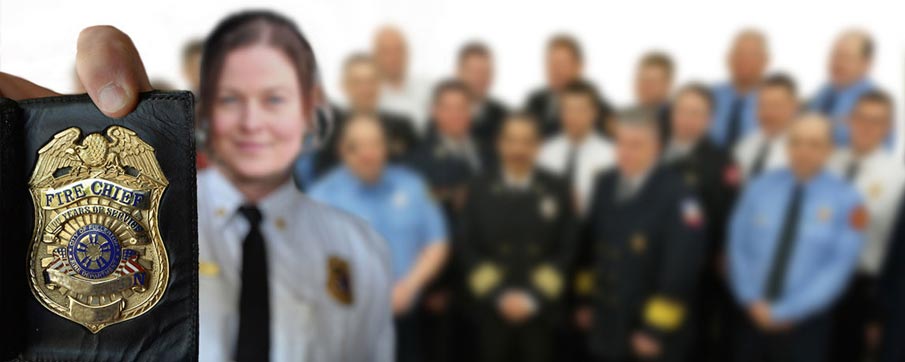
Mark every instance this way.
x=252 y=214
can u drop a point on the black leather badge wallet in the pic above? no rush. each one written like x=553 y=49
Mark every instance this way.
x=98 y=231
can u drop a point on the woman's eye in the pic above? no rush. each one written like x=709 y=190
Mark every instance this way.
x=228 y=100
x=275 y=100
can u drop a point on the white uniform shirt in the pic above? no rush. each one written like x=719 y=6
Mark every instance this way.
x=308 y=321
x=880 y=180
x=411 y=100
x=746 y=151
x=594 y=155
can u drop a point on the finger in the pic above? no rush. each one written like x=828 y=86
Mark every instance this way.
x=110 y=69
x=17 y=88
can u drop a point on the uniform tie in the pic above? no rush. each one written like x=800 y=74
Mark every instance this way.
x=735 y=122
x=829 y=103
x=571 y=165
x=783 y=253
x=761 y=160
x=851 y=172
x=253 y=343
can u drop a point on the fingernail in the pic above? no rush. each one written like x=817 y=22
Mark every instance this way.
x=111 y=98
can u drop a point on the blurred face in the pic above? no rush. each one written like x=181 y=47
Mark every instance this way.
x=361 y=83
x=809 y=146
x=518 y=145
x=191 y=69
x=391 y=53
x=637 y=148
x=690 y=117
x=562 y=67
x=257 y=121
x=847 y=61
x=363 y=149
x=452 y=112
x=577 y=113
x=652 y=84
x=476 y=71
x=747 y=59
x=776 y=108
x=870 y=124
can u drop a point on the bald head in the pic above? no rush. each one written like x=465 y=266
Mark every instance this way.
x=850 y=58
x=390 y=51
x=748 y=58
x=810 y=144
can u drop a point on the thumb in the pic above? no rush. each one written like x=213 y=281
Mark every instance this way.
x=110 y=69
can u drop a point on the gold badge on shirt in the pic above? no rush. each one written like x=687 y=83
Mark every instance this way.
x=339 y=280
x=96 y=256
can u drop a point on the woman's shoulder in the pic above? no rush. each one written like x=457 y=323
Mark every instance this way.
x=341 y=229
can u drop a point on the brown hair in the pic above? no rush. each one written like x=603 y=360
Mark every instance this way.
x=450 y=85
x=660 y=60
x=567 y=42
x=700 y=90
x=474 y=48
x=255 y=27
x=781 y=80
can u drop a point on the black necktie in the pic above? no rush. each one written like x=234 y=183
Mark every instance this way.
x=851 y=171
x=253 y=343
x=735 y=122
x=761 y=160
x=829 y=102
x=779 y=266
x=571 y=163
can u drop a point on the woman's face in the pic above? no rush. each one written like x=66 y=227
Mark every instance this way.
x=257 y=121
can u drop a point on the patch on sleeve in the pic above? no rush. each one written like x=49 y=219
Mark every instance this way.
x=339 y=280
x=691 y=213
x=859 y=218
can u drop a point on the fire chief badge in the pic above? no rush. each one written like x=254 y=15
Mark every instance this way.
x=96 y=256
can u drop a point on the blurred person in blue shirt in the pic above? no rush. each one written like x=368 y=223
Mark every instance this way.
x=735 y=112
x=396 y=202
x=794 y=242
x=849 y=65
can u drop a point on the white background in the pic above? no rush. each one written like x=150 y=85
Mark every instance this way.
x=37 y=37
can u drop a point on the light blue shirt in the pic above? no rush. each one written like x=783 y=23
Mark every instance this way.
x=844 y=103
x=825 y=251
x=724 y=96
x=398 y=206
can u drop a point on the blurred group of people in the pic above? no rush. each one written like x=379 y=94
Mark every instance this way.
x=727 y=222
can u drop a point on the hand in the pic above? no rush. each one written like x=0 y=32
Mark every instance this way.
x=108 y=66
x=584 y=317
x=516 y=306
x=762 y=315
x=437 y=302
x=403 y=297
x=645 y=346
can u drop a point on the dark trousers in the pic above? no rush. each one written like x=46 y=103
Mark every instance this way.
x=499 y=341
x=718 y=317
x=407 y=339
x=805 y=342
x=854 y=311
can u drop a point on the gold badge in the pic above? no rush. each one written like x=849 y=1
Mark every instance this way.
x=548 y=280
x=639 y=243
x=484 y=278
x=339 y=280
x=875 y=191
x=96 y=256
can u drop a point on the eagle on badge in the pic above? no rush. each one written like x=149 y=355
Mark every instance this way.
x=96 y=255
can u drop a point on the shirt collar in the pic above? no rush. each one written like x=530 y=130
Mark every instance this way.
x=226 y=199
x=523 y=183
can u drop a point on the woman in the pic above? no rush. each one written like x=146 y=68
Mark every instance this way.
x=280 y=275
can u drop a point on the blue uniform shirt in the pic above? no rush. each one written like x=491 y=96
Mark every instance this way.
x=398 y=206
x=842 y=106
x=825 y=251
x=724 y=96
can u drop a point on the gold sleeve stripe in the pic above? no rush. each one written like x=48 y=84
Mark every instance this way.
x=584 y=282
x=664 y=313
x=484 y=278
x=548 y=280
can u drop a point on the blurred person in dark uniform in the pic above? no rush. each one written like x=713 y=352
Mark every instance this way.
x=735 y=114
x=654 y=76
x=880 y=177
x=892 y=296
x=646 y=227
x=475 y=69
x=711 y=173
x=765 y=148
x=361 y=85
x=848 y=68
x=516 y=238
x=564 y=64
x=794 y=240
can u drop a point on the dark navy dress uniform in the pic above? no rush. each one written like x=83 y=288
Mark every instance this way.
x=487 y=120
x=711 y=173
x=892 y=293
x=648 y=246
x=517 y=237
